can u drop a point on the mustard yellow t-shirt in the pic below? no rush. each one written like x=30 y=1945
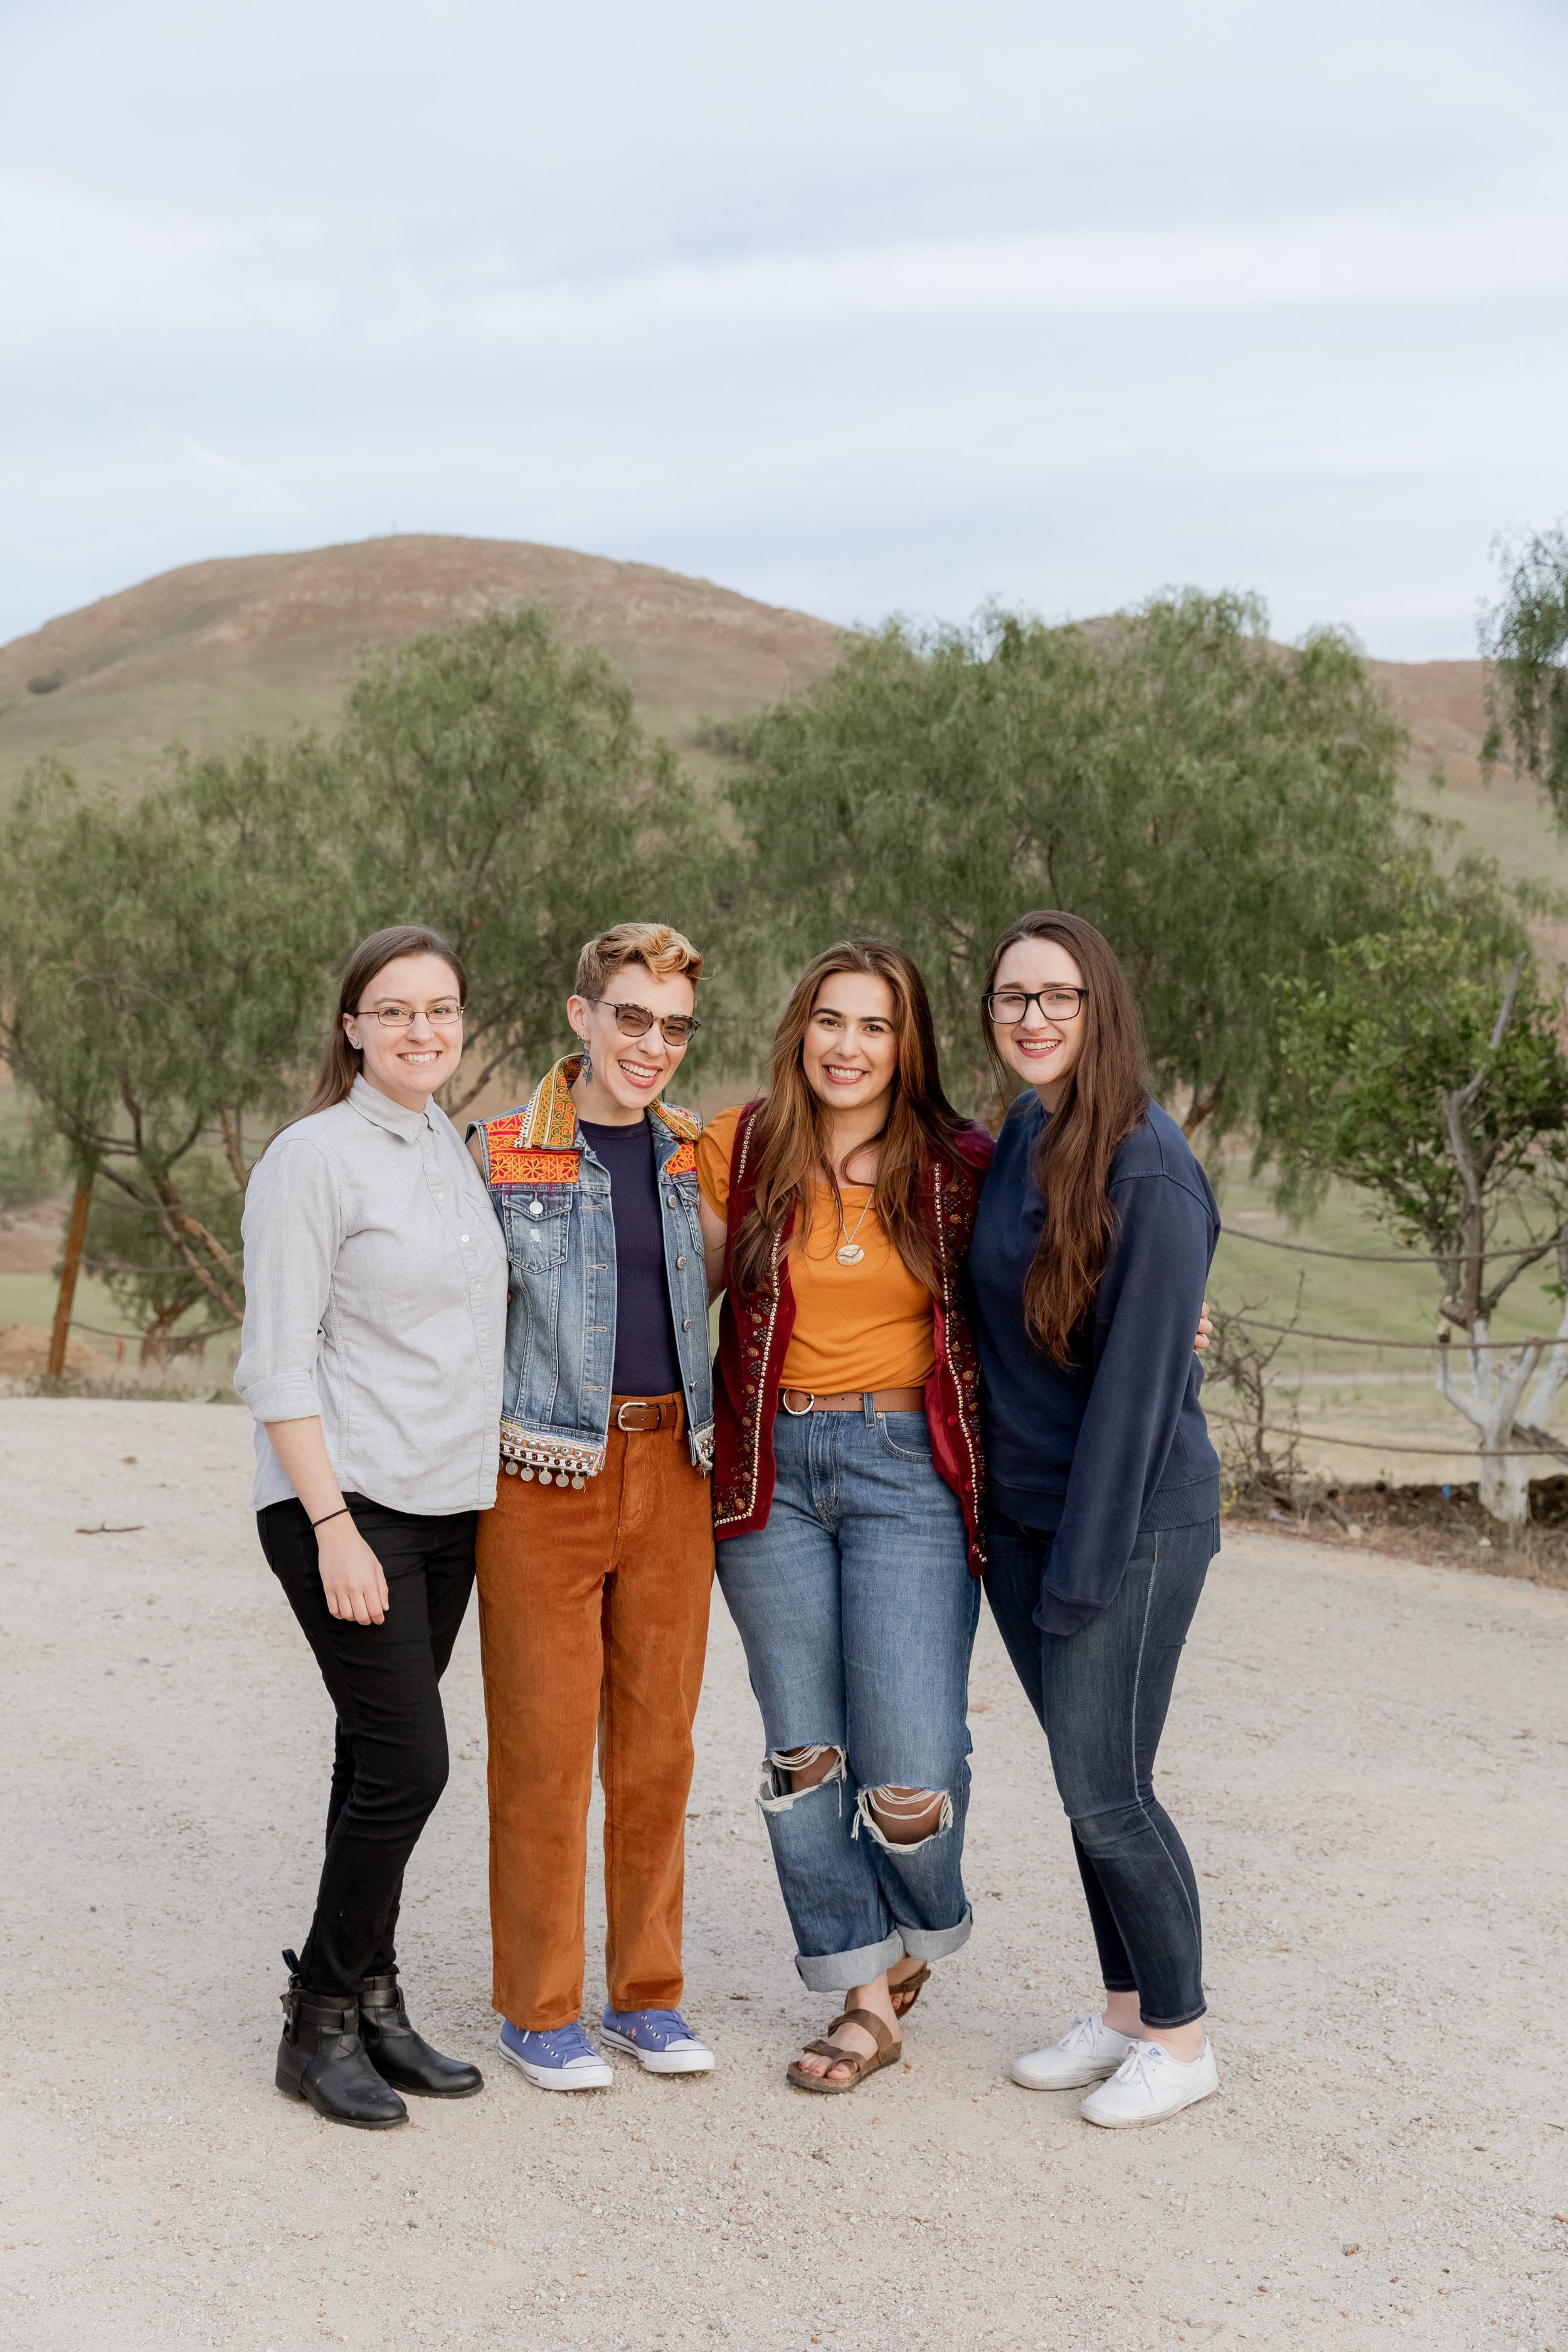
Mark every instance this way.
x=856 y=1326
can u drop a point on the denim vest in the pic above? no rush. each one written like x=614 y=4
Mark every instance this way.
x=552 y=1198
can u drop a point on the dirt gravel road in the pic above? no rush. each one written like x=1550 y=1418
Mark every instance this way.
x=1368 y=1756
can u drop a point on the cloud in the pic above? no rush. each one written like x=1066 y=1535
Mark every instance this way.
x=867 y=307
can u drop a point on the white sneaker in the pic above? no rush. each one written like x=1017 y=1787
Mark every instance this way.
x=1149 y=2085
x=1088 y=2051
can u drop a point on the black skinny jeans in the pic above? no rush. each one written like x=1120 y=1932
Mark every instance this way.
x=1101 y=1696
x=390 y=1763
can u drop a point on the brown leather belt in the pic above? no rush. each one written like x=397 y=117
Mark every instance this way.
x=649 y=1412
x=796 y=1402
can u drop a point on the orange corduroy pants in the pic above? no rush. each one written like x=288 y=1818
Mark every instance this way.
x=593 y=1627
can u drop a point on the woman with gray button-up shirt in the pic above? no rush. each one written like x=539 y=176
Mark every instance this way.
x=374 y=1324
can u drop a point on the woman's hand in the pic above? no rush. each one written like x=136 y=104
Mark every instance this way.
x=352 y=1576
x=1205 y=1330
x=351 y=1572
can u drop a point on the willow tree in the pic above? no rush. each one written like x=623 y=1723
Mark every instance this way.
x=496 y=784
x=1222 y=809
x=165 y=970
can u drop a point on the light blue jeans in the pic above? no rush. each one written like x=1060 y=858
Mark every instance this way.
x=857 y=1612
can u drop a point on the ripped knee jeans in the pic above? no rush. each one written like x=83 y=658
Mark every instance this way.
x=856 y=1612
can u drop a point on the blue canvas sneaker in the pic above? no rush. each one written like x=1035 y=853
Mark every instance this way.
x=562 y=2059
x=658 y=2039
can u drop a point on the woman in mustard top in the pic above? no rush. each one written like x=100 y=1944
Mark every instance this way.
x=837 y=1212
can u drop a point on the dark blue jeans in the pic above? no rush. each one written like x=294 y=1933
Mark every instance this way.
x=1101 y=1696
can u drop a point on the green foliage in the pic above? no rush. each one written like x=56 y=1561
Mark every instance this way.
x=30 y=1168
x=163 y=970
x=146 y=1274
x=1368 y=1059
x=497 y=786
x=1223 y=810
x=1525 y=641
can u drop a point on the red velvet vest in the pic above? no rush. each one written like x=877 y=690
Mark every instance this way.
x=754 y=1334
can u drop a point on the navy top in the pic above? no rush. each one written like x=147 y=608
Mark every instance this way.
x=1113 y=1444
x=646 y=1362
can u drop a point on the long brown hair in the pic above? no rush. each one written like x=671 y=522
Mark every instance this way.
x=792 y=1135
x=342 y=1063
x=1105 y=1099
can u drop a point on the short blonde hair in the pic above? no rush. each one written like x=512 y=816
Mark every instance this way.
x=665 y=952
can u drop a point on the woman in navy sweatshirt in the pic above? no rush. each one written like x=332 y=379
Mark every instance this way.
x=1095 y=1233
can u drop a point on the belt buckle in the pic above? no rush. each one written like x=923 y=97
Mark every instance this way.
x=797 y=1412
x=638 y=1404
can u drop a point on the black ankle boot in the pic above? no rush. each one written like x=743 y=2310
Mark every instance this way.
x=403 y=2057
x=321 y=2059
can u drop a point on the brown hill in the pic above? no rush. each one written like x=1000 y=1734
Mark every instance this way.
x=253 y=644
x=1443 y=705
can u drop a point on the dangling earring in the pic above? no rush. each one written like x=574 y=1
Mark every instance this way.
x=585 y=1067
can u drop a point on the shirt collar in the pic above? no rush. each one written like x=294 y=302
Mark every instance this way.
x=382 y=1111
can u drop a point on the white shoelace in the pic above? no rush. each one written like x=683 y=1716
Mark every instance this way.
x=1142 y=2065
x=1082 y=2030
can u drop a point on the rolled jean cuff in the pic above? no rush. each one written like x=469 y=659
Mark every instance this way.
x=936 y=1943
x=1169 y=2024
x=836 y=1971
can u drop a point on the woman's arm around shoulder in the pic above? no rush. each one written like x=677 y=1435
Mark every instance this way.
x=715 y=1149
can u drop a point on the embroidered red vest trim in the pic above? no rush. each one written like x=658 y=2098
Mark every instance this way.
x=755 y=1336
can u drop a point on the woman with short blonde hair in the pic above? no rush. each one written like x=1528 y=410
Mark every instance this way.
x=596 y=1566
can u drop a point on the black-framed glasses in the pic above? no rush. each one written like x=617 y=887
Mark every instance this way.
x=636 y=1021
x=1008 y=1006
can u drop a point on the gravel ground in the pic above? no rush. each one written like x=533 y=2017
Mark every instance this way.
x=1368 y=1757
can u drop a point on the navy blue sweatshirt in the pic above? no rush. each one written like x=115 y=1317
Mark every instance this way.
x=1113 y=1444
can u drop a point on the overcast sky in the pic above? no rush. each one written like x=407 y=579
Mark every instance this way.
x=855 y=305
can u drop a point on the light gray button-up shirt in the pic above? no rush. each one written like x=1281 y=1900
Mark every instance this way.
x=375 y=1281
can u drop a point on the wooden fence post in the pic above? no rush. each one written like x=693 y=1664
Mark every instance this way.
x=76 y=1237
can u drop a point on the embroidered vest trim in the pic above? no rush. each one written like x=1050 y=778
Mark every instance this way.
x=755 y=1336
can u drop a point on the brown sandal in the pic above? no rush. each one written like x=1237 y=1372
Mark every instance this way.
x=888 y=2050
x=907 y=1991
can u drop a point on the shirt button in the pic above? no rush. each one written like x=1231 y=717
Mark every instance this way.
x=465 y=1237
x=680 y=1261
x=686 y=1322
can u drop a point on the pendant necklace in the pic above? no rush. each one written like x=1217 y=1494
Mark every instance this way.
x=850 y=1251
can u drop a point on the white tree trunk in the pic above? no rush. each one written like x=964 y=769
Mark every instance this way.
x=1504 y=1481
x=1492 y=1400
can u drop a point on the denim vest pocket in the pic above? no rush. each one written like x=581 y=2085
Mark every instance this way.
x=538 y=1226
